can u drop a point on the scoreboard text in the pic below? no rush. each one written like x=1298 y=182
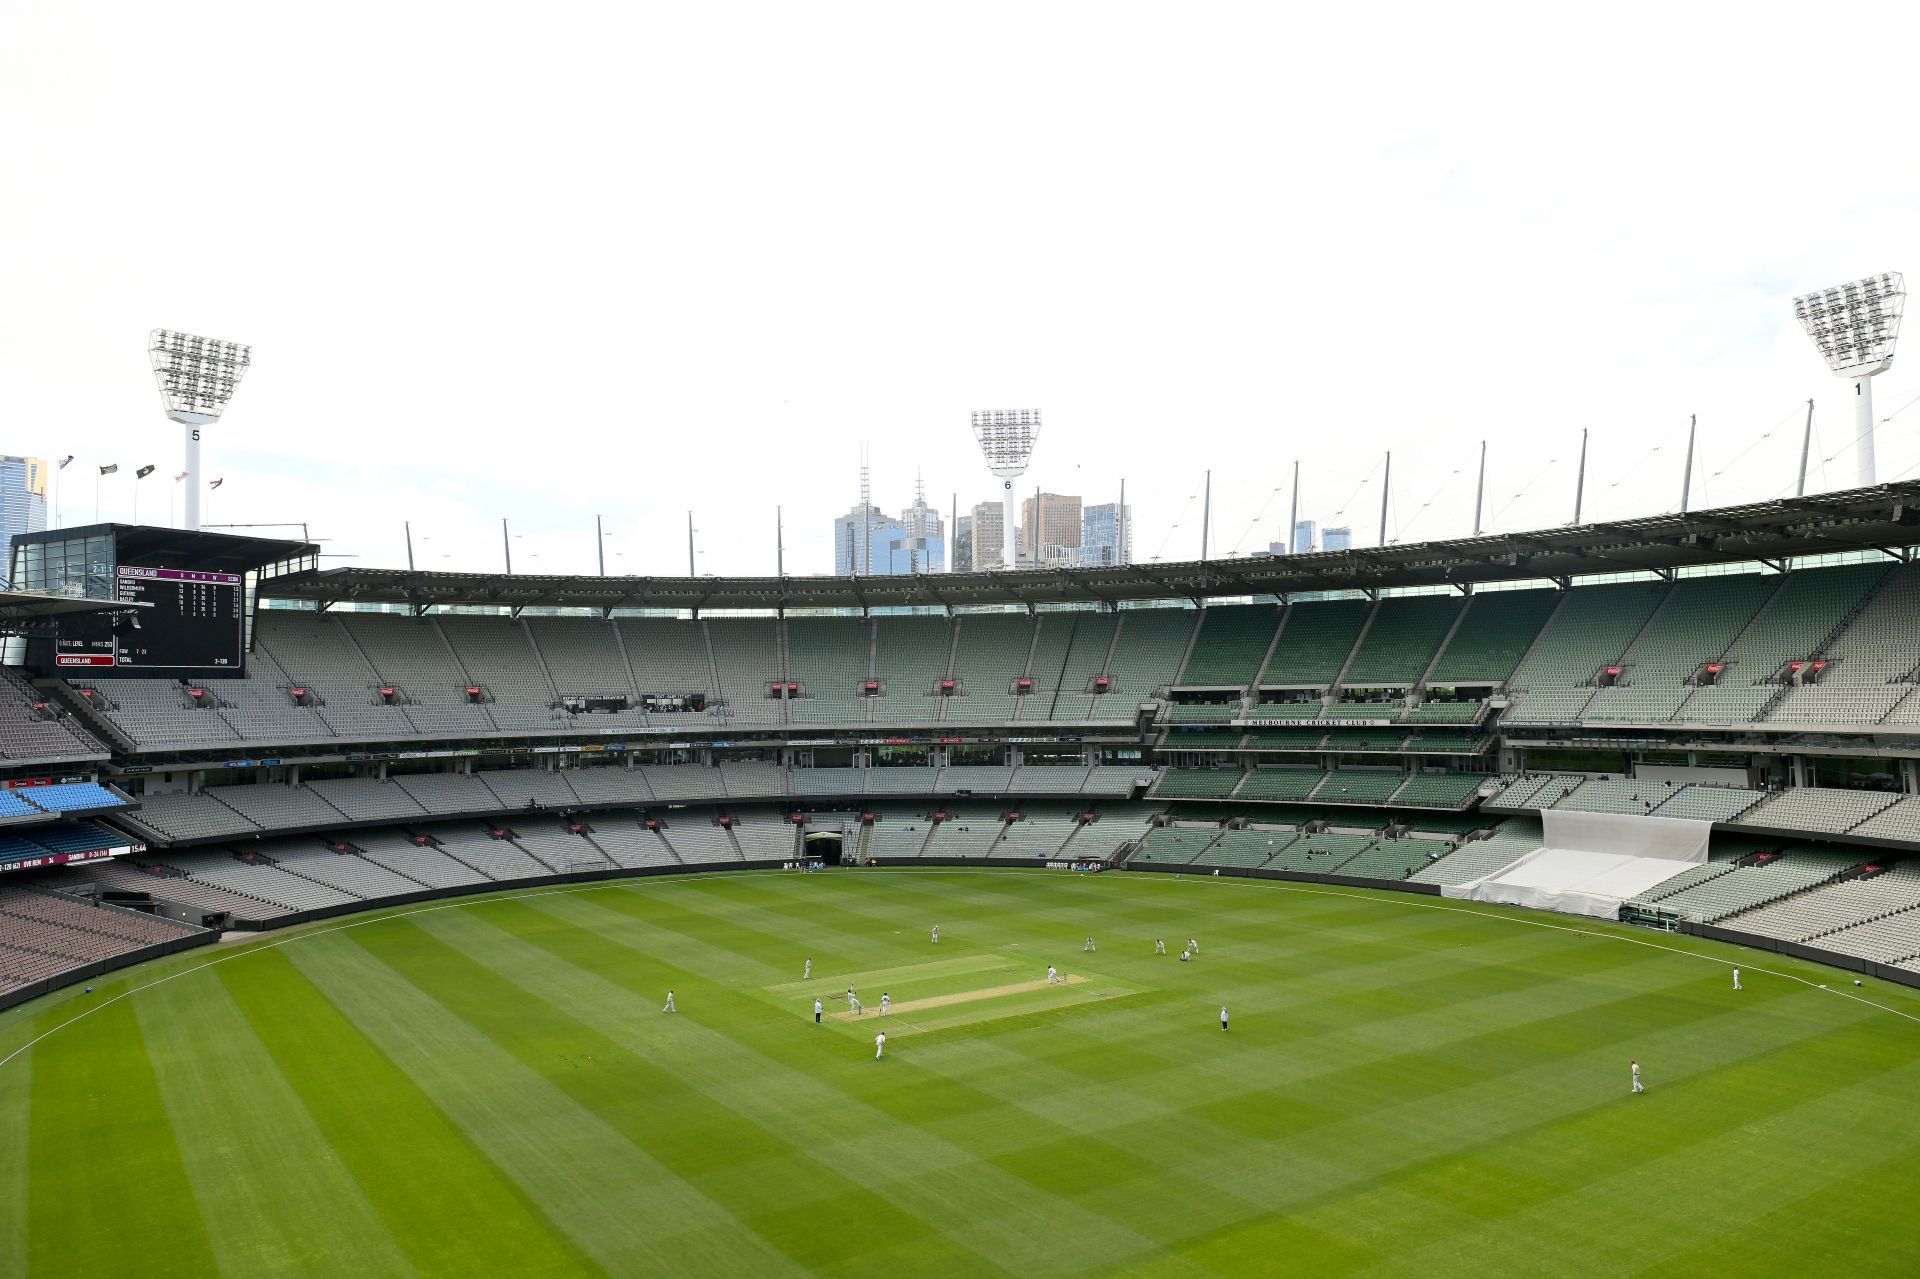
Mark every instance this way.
x=194 y=623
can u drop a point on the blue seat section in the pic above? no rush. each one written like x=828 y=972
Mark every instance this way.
x=71 y=797
x=11 y=805
x=15 y=849
x=76 y=837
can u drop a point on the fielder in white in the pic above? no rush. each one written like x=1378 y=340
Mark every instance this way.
x=669 y=1008
x=1736 y=979
x=880 y=1045
x=886 y=1001
x=1053 y=975
x=936 y=934
x=1193 y=945
x=1089 y=945
x=1159 y=946
x=1637 y=1085
x=808 y=975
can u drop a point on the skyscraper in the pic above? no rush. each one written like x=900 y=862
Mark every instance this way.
x=925 y=543
x=1048 y=519
x=1337 y=539
x=863 y=541
x=1303 y=537
x=963 y=544
x=987 y=535
x=23 y=499
x=1106 y=535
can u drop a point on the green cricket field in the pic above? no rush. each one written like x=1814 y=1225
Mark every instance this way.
x=1410 y=1086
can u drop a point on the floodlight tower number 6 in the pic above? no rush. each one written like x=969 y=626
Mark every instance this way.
x=196 y=376
x=1007 y=436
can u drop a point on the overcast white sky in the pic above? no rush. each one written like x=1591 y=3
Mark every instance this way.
x=547 y=261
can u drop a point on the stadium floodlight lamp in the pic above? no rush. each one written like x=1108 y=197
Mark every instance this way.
x=196 y=376
x=1855 y=326
x=1007 y=437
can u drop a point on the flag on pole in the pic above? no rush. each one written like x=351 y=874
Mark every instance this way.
x=214 y=484
x=109 y=468
x=183 y=475
x=143 y=473
x=63 y=462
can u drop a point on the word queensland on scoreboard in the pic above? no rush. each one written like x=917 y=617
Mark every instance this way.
x=193 y=622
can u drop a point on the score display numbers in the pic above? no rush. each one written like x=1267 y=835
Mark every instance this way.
x=194 y=623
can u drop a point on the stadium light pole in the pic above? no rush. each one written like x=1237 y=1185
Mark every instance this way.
x=1289 y=539
x=1480 y=489
x=1006 y=438
x=1855 y=325
x=1206 y=516
x=1686 y=474
x=196 y=376
x=1806 y=443
x=1580 y=478
x=1386 y=490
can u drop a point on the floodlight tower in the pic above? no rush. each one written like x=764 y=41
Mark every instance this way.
x=1855 y=326
x=1006 y=437
x=196 y=377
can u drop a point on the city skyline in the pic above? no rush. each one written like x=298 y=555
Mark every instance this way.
x=675 y=327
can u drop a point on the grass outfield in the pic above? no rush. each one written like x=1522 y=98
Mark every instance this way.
x=489 y=1087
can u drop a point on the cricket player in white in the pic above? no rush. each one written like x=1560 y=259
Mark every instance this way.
x=880 y=1045
x=886 y=1001
x=936 y=934
x=1193 y=945
x=1159 y=946
x=1089 y=945
x=816 y=1012
x=1736 y=979
x=808 y=975
x=669 y=1008
x=854 y=1005
x=1053 y=975
x=1637 y=1085
x=1185 y=955
x=1223 y=1017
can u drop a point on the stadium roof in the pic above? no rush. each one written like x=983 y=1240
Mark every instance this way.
x=1885 y=517
x=154 y=546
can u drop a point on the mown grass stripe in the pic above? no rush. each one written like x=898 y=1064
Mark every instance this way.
x=16 y=1117
x=613 y=1198
x=462 y=1216
x=273 y=1195
x=107 y=1173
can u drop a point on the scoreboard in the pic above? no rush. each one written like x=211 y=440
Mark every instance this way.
x=194 y=623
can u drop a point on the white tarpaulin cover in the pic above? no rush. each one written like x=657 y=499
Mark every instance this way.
x=1592 y=862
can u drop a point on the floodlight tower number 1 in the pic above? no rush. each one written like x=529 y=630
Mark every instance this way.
x=1007 y=437
x=196 y=377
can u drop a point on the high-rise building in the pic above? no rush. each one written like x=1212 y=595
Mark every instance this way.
x=1048 y=519
x=925 y=541
x=23 y=499
x=1106 y=535
x=1337 y=539
x=1303 y=533
x=987 y=536
x=963 y=544
x=863 y=541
